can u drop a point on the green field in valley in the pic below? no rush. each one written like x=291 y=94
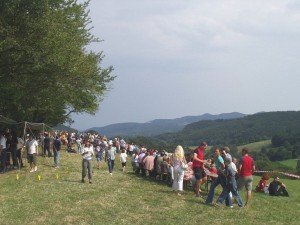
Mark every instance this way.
x=256 y=146
x=292 y=163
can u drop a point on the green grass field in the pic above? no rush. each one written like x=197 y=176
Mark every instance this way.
x=292 y=163
x=124 y=198
x=256 y=146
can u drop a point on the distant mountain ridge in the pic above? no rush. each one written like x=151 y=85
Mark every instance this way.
x=159 y=126
x=238 y=131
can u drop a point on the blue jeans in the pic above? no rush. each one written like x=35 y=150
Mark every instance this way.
x=220 y=180
x=233 y=189
x=3 y=160
x=56 y=157
x=111 y=164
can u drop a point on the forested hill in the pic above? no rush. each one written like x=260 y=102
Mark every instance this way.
x=252 y=128
x=158 y=126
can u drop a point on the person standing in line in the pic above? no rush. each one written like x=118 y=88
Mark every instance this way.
x=87 y=154
x=13 y=147
x=122 y=144
x=32 y=152
x=246 y=169
x=198 y=161
x=158 y=165
x=99 y=155
x=118 y=144
x=3 y=152
x=148 y=162
x=56 y=151
x=123 y=158
x=79 y=145
x=47 y=145
x=8 y=147
x=110 y=156
x=140 y=160
x=20 y=145
x=177 y=160
x=135 y=161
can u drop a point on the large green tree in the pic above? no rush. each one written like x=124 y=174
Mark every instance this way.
x=46 y=71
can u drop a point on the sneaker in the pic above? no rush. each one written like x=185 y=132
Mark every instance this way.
x=90 y=182
x=198 y=196
x=110 y=174
x=82 y=181
x=231 y=207
x=56 y=167
x=32 y=170
x=35 y=168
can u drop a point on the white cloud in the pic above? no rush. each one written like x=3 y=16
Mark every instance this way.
x=177 y=58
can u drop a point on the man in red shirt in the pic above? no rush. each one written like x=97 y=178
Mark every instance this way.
x=246 y=169
x=198 y=161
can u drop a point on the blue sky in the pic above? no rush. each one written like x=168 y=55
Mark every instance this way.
x=178 y=58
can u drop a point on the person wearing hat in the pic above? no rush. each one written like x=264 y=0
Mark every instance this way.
x=110 y=156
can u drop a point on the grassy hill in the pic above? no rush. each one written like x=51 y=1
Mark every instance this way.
x=256 y=146
x=292 y=163
x=124 y=198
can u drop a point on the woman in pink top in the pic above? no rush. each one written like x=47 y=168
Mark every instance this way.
x=148 y=162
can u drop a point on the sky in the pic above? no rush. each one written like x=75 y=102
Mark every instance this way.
x=182 y=58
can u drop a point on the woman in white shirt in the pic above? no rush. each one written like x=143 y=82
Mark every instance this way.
x=87 y=153
x=177 y=160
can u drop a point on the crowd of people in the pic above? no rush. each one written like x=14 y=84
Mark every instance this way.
x=177 y=168
x=232 y=174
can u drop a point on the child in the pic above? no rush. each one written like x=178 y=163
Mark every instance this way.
x=231 y=185
x=123 y=157
x=262 y=185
